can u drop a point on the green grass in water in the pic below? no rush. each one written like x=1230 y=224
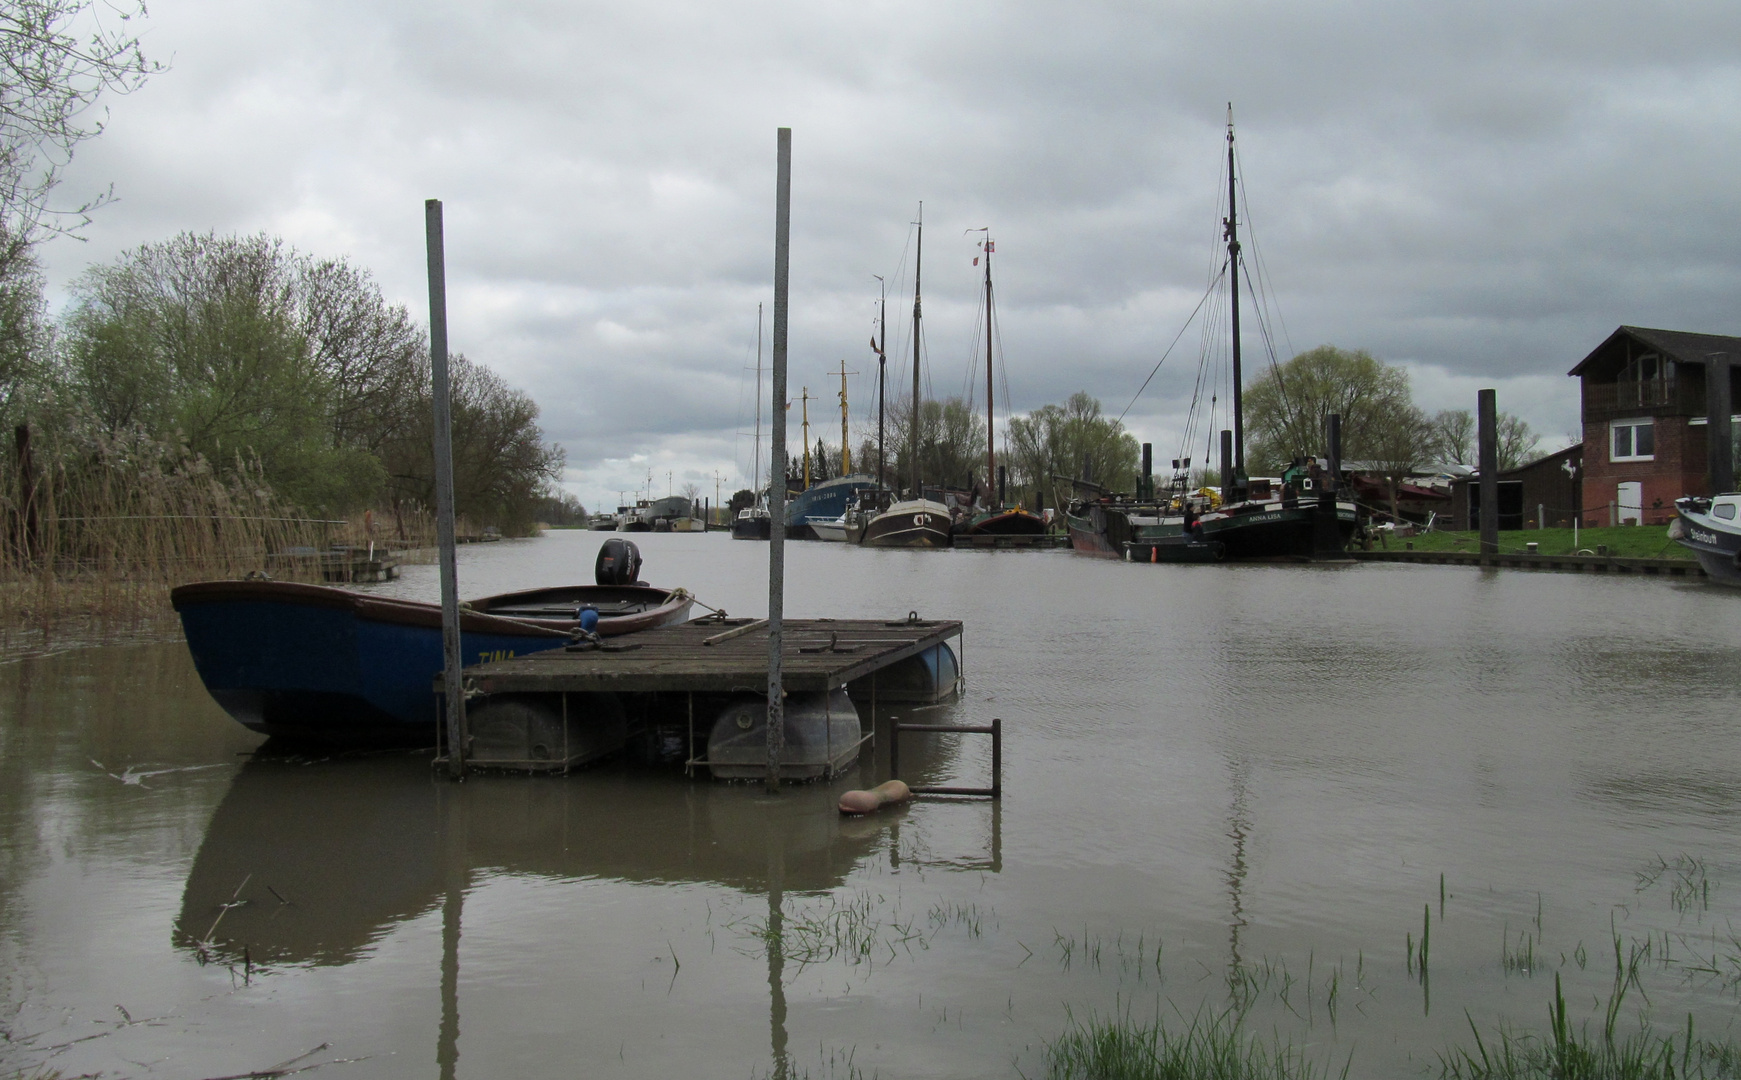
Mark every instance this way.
x=1624 y=541
x=1208 y=1048
x=1568 y=1053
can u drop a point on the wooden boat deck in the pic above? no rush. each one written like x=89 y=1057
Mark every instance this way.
x=710 y=655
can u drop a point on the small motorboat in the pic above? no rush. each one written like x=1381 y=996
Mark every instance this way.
x=333 y=665
x=1711 y=527
x=752 y=523
x=833 y=529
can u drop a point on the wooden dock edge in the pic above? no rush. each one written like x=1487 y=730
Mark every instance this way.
x=1580 y=564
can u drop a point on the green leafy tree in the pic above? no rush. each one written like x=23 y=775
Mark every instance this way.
x=239 y=346
x=198 y=340
x=1063 y=440
x=501 y=463
x=1287 y=408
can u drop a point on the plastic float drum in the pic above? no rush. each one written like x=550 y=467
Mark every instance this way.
x=822 y=737
x=925 y=678
x=528 y=731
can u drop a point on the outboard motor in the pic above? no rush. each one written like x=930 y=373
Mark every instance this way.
x=619 y=562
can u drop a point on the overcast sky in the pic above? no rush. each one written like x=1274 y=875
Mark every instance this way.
x=1478 y=191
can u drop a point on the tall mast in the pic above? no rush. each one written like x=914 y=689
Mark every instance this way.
x=1232 y=224
x=756 y=480
x=918 y=263
x=882 y=372
x=806 y=438
x=845 y=454
x=990 y=444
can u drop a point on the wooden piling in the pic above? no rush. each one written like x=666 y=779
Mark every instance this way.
x=1487 y=436
x=450 y=641
x=1719 y=435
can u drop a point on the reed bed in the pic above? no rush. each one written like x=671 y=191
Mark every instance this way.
x=95 y=539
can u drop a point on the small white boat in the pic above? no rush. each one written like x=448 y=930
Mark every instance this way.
x=828 y=528
x=1711 y=527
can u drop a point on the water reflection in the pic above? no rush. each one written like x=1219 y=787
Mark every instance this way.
x=311 y=862
x=324 y=859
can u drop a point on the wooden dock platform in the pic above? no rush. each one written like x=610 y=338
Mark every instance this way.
x=1517 y=560
x=711 y=655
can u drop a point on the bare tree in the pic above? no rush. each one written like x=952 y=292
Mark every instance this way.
x=1517 y=441
x=1398 y=442
x=1453 y=436
x=57 y=58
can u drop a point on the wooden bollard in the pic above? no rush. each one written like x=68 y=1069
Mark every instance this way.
x=884 y=794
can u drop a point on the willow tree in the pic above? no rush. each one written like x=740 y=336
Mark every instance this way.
x=1287 y=407
x=1068 y=440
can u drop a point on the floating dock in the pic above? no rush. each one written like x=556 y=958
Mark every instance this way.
x=675 y=689
x=350 y=565
x=719 y=656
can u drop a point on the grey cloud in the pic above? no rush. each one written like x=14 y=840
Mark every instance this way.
x=1479 y=190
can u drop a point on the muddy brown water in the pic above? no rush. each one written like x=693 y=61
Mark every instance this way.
x=1260 y=773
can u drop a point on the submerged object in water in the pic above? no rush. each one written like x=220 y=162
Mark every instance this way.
x=822 y=737
x=884 y=794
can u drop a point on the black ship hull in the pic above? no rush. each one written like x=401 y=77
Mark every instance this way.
x=913 y=524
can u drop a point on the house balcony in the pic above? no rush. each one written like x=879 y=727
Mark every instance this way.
x=1661 y=397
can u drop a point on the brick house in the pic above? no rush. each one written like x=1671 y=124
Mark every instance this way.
x=1644 y=415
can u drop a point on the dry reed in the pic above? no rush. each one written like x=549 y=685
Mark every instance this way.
x=95 y=539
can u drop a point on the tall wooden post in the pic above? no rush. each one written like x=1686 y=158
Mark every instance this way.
x=452 y=662
x=1145 y=484
x=777 y=493
x=1487 y=438
x=1719 y=435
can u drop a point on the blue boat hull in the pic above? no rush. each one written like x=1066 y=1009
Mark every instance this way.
x=288 y=669
x=828 y=499
x=334 y=666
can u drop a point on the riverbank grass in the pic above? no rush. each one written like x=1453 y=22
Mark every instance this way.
x=1209 y=1047
x=1624 y=541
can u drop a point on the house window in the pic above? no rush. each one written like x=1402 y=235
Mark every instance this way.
x=1632 y=440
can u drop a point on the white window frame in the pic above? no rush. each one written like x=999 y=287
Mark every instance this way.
x=1643 y=421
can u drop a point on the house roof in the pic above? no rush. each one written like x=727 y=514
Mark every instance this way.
x=1677 y=345
x=1576 y=450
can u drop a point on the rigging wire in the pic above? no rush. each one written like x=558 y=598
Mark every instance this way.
x=1164 y=355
